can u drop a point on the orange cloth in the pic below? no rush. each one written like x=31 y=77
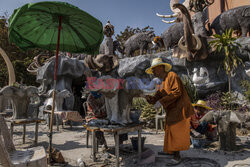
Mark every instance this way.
x=179 y=109
x=176 y=101
x=177 y=136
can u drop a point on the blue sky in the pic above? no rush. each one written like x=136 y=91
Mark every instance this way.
x=121 y=13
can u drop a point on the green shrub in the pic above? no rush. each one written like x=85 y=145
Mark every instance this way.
x=147 y=111
x=246 y=88
x=190 y=88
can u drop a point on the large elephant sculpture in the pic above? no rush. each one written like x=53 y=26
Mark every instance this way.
x=119 y=94
x=138 y=41
x=237 y=18
x=226 y=124
x=195 y=39
x=68 y=70
x=20 y=97
x=170 y=37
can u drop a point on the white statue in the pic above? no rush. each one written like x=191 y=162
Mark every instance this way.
x=201 y=76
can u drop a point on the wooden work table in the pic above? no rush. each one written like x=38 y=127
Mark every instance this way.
x=116 y=131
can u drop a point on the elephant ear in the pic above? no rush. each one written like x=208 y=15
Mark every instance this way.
x=209 y=117
x=235 y=117
x=246 y=12
x=7 y=91
x=31 y=90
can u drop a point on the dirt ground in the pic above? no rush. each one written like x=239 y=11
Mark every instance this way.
x=72 y=144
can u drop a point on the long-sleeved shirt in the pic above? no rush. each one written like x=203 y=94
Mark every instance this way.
x=175 y=100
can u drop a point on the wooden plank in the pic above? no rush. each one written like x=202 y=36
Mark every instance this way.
x=25 y=121
x=139 y=145
x=36 y=132
x=24 y=133
x=93 y=146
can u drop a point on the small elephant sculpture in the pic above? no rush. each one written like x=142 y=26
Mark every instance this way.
x=138 y=41
x=226 y=123
x=237 y=18
x=59 y=99
x=20 y=97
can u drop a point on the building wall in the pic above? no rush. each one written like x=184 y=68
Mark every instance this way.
x=222 y=5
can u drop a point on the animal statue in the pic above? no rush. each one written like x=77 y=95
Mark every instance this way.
x=176 y=14
x=20 y=97
x=119 y=94
x=200 y=77
x=199 y=5
x=103 y=63
x=108 y=29
x=170 y=37
x=226 y=123
x=116 y=47
x=195 y=44
x=59 y=99
x=237 y=18
x=138 y=41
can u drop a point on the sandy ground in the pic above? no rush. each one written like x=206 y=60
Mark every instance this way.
x=72 y=144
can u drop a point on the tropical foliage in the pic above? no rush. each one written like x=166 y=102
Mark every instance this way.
x=20 y=59
x=190 y=88
x=147 y=111
x=226 y=44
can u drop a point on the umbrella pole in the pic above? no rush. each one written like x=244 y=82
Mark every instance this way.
x=54 y=92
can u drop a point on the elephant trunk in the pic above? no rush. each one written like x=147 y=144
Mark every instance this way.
x=148 y=88
x=192 y=41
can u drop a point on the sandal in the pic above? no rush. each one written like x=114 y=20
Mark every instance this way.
x=164 y=153
x=173 y=162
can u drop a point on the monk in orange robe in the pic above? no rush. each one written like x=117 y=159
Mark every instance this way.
x=175 y=101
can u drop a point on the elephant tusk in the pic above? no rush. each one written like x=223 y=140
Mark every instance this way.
x=181 y=46
x=11 y=71
x=99 y=65
x=167 y=16
x=168 y=22
x=198 y=41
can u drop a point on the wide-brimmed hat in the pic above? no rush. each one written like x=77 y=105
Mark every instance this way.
x=157 y=62
x=203 y=104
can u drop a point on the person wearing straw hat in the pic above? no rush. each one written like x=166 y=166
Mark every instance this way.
x=175 y=101
x=200 y=109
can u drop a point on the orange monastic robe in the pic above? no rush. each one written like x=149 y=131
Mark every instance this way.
x=178 y=111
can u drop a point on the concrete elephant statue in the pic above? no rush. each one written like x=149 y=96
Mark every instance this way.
x=138 y=41
x=226 y=123
x=237 y=18
x=116 y=47
x=59 y=99
x=20 y=97
x=119 y=94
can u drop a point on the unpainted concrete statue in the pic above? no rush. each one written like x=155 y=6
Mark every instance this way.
x=119 y=94
x=59 y=99
x=20 y=97
x=138 y=41
x=237 y=18
x=116 y=47
x=226 y=123
x=176 y=14
x=195 y=39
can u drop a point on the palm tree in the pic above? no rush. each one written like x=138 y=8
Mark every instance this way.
x=226 y=44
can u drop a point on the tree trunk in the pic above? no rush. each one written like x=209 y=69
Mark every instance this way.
x=229 y=83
